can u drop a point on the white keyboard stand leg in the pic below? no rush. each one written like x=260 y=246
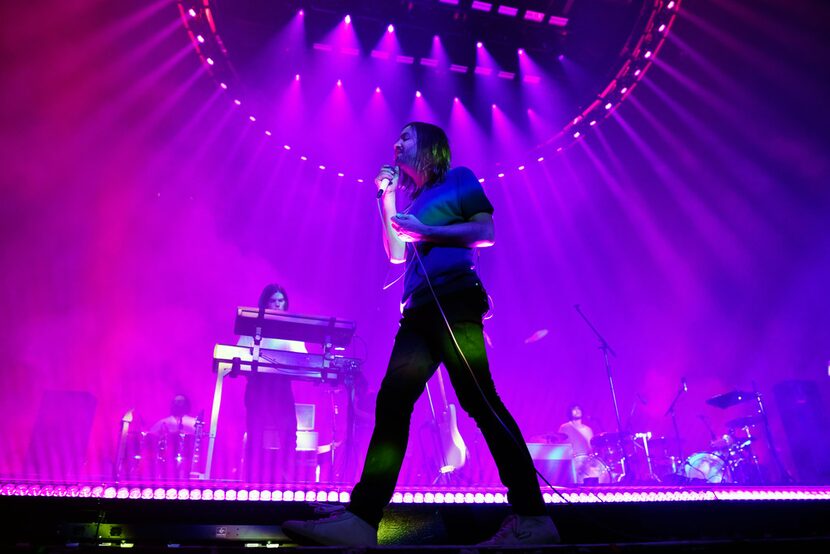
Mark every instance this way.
x=221 y=371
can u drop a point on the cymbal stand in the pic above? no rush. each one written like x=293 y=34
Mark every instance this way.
x=606 y=349
x=673 y=412
x=743 y=453
x=646 y=437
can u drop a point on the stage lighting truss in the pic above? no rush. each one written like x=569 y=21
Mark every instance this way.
x=638 y=55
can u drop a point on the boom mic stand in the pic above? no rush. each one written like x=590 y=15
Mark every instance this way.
x=606 y=349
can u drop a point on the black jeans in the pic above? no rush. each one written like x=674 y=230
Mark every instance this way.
x=422 y=343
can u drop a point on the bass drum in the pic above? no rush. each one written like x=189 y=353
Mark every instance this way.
x=592 y=470
x=707 y=467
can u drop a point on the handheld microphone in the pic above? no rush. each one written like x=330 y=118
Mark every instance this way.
x=383 y=184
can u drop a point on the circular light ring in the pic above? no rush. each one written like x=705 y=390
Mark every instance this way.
x=659 y=16
x=631 y=72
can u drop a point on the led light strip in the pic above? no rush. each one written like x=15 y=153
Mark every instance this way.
x=583 y=495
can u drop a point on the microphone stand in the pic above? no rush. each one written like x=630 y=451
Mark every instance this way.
x=606 y=349
x=784 y=475
x=671 y=411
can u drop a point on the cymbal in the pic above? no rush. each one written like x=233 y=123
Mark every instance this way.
x=550 y=438
x=606 y=439
x=745 y=421
x=730 y=398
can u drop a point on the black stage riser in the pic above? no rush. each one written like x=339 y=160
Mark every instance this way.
x=147 y=523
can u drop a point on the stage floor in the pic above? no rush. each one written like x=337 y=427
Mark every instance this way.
x=58 y=517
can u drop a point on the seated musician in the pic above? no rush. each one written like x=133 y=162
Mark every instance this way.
x=271 y=420
x=179 y=420
x=171 y=441
x=579 y=435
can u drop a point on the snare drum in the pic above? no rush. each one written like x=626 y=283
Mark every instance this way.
x=707 y=467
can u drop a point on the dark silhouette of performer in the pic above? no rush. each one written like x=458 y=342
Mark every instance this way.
x=436 y=235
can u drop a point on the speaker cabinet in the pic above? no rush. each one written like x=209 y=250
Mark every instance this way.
x=805 y=425
x=57 y=448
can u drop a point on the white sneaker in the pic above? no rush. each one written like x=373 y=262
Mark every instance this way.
x=340 y=529
x=524 y=530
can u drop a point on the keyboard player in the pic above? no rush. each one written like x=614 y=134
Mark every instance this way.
x=271 y=421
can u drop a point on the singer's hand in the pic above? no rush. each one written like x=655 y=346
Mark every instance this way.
x=408 y=227
x=389 y=173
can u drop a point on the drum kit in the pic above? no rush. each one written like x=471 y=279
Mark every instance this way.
x=627 y=458
x=730 y=457
x=641 y=458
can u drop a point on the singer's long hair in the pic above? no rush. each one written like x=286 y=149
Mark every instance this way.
x=433 y=157
x=270 y=290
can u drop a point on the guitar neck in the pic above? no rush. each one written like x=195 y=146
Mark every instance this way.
x=444 y=403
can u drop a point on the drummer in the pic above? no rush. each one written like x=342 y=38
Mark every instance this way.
x=579 y=434
x=171 y=441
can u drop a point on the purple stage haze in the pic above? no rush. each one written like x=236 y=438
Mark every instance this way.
x=141 y=207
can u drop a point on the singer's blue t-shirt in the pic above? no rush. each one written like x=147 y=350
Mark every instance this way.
x=450 y=268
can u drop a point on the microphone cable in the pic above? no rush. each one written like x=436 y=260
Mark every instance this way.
x=467 y=364
x=469 y=368
x=513 y=437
